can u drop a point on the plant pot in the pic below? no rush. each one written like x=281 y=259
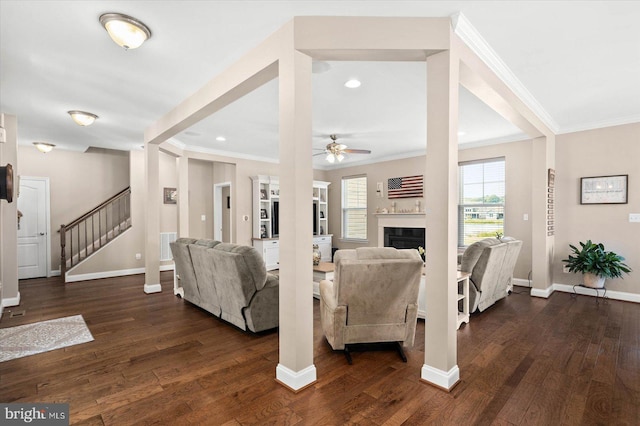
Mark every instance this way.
x=593 y=281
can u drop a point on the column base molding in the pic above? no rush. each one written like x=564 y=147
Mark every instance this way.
x=152 y=288
x=445 y=380
x=296 y=380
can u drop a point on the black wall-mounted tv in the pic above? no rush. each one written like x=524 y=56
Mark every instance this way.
x=275 y=215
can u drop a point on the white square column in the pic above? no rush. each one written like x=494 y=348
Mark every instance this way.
x=295 y=369
x=441 y=191
x=543 y=212
x=152 y=214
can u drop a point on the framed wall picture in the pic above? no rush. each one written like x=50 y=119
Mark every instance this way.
x=170 y=196
x=604 y=189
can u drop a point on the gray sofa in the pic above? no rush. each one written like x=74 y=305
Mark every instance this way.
x=491 y=262
x=228 y=280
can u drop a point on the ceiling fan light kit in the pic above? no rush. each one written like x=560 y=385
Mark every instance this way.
x=125 y=31
x=335 y=151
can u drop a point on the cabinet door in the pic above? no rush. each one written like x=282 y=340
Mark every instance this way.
x=324 y=244
x=272 y=256
x=325 y=251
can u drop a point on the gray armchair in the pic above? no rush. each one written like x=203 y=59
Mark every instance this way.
x=372 y=299
x=491 y=263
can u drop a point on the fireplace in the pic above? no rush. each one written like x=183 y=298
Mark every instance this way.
x=404 y=238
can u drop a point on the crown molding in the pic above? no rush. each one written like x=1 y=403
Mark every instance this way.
x=630 y=119
x=472 y=38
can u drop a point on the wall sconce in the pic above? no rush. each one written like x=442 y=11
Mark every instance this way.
x=124 y=30
x=44 y=147
x=82 y=118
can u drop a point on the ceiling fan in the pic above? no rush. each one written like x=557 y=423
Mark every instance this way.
x=335 y=151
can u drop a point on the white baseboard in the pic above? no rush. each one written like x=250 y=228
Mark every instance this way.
x=611 y=294
x=11 y=301
x=112 y=274
x=296 y=380
x=442 y=379
x=55 y=273
x=520 y=282
x=568 y=288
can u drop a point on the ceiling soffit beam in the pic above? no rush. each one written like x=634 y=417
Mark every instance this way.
x=478 y=45
x=254 y=69
x=398 y=39
x=351 y=38
x=480 y=80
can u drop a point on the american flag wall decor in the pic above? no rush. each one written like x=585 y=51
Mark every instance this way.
x=405 y=187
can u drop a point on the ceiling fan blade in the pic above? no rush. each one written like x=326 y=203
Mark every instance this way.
x=357 y=151
x=320 y=153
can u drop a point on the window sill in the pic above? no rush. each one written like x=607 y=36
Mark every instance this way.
x=354 y=240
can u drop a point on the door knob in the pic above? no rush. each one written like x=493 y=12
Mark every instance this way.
x=42 y=233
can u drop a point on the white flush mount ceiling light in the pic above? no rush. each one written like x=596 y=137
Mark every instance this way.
x=82 y=118
x=44 y=147
x=352 y=84
x=221 y=139
x=124 y=30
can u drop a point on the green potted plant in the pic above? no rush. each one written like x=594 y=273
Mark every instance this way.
x=595 y=263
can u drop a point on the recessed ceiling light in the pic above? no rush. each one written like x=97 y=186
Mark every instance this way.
x=82 y=118
x=353 y=83
x=221 y=139
x=124 y=30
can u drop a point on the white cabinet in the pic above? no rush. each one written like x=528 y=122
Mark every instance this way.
x=266 y=197
x=266 y=213
x=270 y=251
x=324 y=244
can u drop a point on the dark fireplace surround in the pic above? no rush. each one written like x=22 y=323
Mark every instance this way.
x=404 y=238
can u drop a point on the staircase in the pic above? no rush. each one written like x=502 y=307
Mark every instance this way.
x=93 y=230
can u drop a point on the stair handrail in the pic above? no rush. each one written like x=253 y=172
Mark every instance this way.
x=124 y=194
x=95 y=209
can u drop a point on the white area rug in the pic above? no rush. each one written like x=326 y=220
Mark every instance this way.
x=43 y=336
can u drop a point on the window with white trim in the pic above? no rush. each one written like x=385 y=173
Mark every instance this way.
x=354 y=208
x=481 y=203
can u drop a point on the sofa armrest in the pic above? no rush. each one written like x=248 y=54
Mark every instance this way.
x=272 y=280
x=327 y=294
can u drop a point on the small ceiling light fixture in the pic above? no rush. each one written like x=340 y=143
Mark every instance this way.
x=221 y=139
x=44 y=147
x=82 y=118
x=124 y=30
x=352 y=84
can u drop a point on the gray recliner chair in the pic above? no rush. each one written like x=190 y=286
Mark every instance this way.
x=491 y=263
x=372 y=299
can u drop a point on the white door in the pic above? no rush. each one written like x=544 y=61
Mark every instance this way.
x=32 y=230
x=222 y=219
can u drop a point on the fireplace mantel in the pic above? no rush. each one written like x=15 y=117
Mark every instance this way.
x=399 y=220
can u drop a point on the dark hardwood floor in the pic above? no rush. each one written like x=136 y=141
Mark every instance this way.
x=159 y=360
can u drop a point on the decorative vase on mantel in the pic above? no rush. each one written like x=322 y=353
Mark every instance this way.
x=316 y=255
